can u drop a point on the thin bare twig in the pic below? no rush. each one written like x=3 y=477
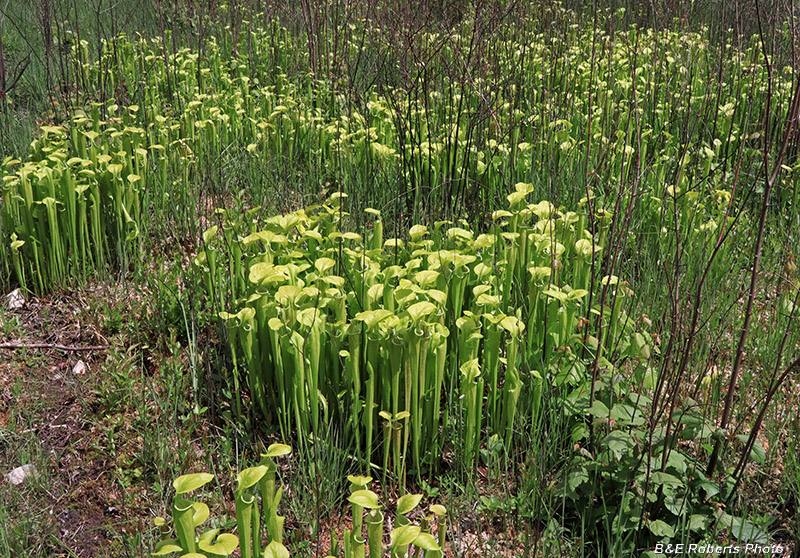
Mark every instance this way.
x=67 y=348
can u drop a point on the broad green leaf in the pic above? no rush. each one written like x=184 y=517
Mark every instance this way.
x=516 y=197
x=482 y=271
x=627 y=414
x=167 y=547
x=375 y=291
x=373 y=317
x=661 y=528
x=709 y=487
x=264 y=273
x=577 y=477
x=699 y=522
x=677 y=462
x=209 y=234
x=209 y=535
x=437 y=295
x=309 y=317
x=334 y=280
x=598 y=409
x=579 y=432
x=758 y=454
x=584 y=247
x=556 y=293
x=539 y=274
x=484 y=241
x=426 y=278
x=744 y=530
x=640 y=347
x=224 y=545
x=543 y=209
x=417 y=232
x=488 y=300
x=275 y=550
x=577 y=294
x=366 y=499
x=250 y=476
x=187 y=483
x=323 y=265
x=425 y=541
x=420 y=310
x=470 y=370
x=359 y=481
x=618 y=442
x=287 y=295
x=459 y=233
x=267 y=237
x=521 y=191
x=201 y=513
x=666 y=479
x=405 y=535
x=513 y=325
x=407 y=503
x=438 y=509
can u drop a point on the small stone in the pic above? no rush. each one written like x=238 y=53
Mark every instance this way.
x=15 y=300
x=18 y=475
x=79 y=368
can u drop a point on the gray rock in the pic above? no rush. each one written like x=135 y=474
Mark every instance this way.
x=15 y=300
x=20 y=474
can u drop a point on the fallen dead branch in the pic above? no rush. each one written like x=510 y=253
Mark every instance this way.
x=66 y=348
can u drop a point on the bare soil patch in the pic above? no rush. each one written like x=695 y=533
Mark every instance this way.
x=51 y=417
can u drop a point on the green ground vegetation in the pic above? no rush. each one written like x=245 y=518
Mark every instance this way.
x=489 y=278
